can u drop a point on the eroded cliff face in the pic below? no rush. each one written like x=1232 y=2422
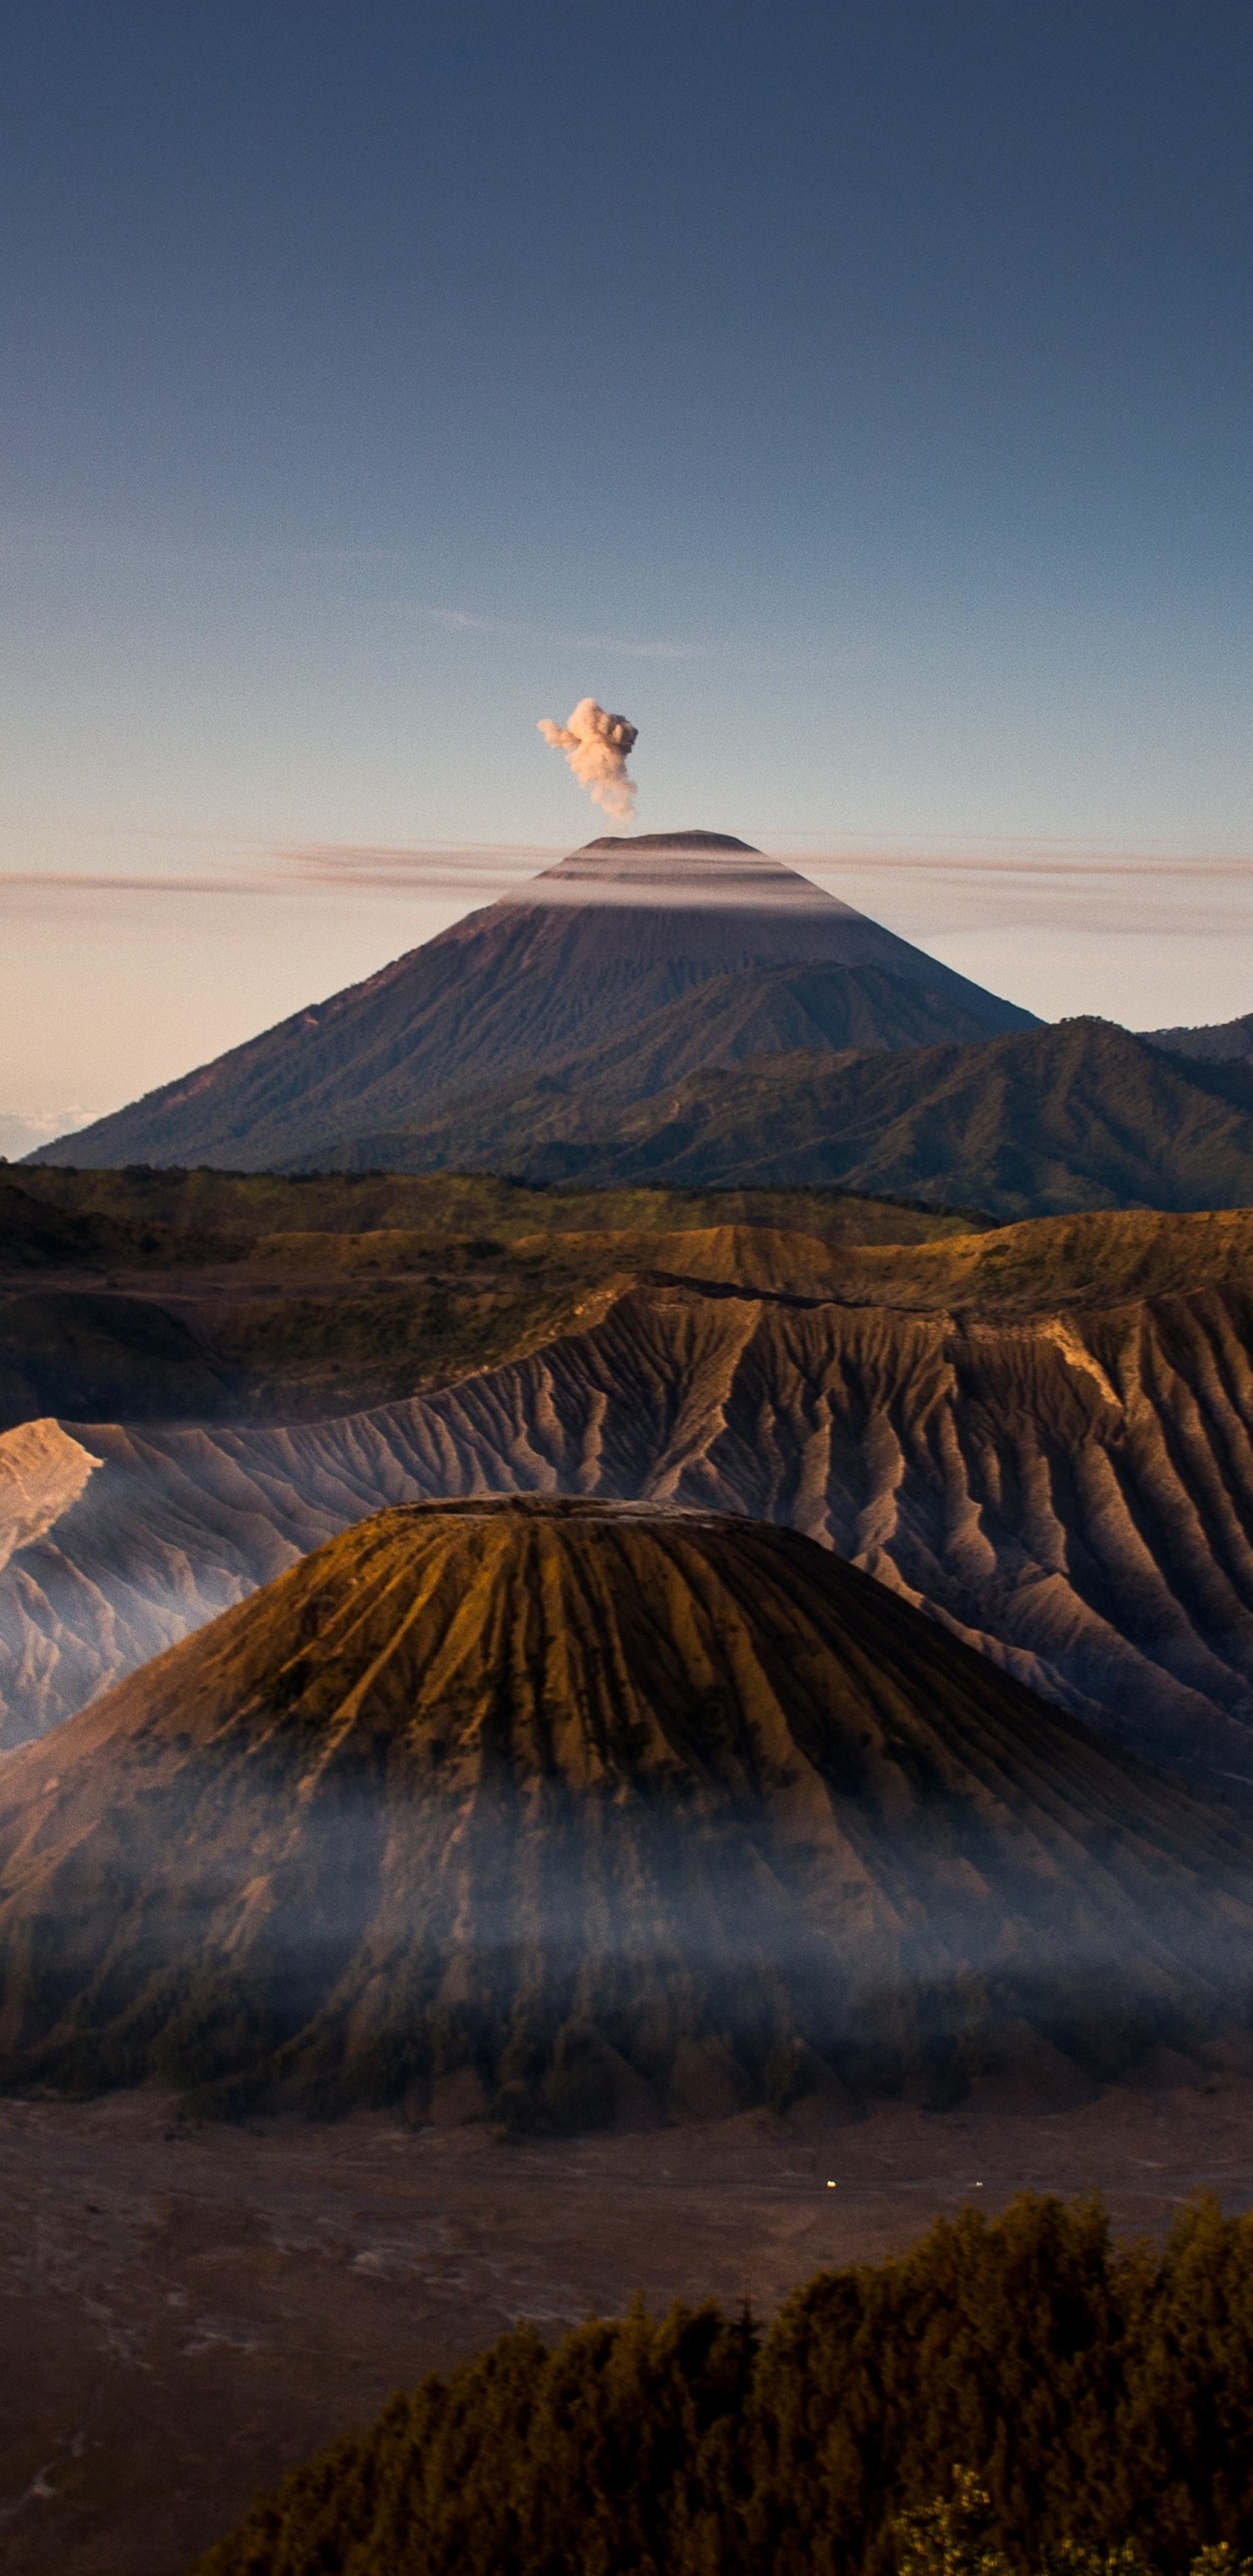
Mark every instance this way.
x=1071 y=1490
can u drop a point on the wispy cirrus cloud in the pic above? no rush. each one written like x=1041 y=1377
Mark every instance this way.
x=659 y=650
x=462 y=621
x=458 y=621
x=942 y=883
x=293 y=869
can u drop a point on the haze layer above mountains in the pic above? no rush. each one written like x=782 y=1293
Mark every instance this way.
x=684 y=1009
x=596 y=956
x=1045 y=1439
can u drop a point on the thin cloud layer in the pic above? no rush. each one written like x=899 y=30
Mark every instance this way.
x=958 y=885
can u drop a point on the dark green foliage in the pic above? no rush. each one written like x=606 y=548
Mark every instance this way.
x=605 y=2454
x=1087 y=2398
x=62 y=1217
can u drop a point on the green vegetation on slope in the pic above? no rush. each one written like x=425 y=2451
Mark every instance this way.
x=1082 y=1115
x=1101 y=2396
x=1078 y=1116
x=154 y=1209
x=144 y=1295
x=233 y=1297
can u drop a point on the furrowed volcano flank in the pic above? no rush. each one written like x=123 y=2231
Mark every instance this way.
x=596 y=1811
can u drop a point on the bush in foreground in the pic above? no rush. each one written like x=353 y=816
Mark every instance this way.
x=1094 y=2399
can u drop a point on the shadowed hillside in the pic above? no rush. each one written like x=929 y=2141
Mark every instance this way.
x=1082 y=1115
x=592 y=950
x=156 y=1295
x=1225 y=1041
x=606 y=1810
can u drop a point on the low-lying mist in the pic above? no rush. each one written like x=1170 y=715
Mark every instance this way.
x=513 y=1785
x=585 y=1957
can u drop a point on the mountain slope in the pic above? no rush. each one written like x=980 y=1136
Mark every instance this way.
x=213 y=1296
x=759 y=1012
x=603 y=1806
x=1225 y=1041
x=1044 y=1436
x=600 y=942
x=1082 y=1115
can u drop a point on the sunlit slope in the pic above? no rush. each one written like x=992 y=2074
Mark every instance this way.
x=171 y=1217
x=1044 y=1435
x=597 y=1801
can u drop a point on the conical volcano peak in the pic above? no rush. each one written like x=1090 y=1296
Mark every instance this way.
x=665 y=841
x=584 y=956
x=687 y=870
x=531 y=1788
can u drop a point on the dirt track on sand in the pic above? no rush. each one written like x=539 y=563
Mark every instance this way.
x=185 y=2312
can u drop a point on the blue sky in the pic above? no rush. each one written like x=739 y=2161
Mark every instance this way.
x=857 y=397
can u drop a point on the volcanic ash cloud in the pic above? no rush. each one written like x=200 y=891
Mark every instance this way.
x=597 y=746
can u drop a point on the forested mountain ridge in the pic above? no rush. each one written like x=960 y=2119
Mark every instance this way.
x=1078 y=1115
x=1225 y=1041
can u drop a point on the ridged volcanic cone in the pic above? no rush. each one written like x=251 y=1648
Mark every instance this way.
x=600 y=1802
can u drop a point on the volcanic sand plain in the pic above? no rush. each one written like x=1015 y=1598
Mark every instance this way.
x=187 y=2310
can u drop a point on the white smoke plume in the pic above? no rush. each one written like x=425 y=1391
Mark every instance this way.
x=597 y=746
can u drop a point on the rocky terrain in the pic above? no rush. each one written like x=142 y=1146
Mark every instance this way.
x=1042 y=1435
x=593 y=1812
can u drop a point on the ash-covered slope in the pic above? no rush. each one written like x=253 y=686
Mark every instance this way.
x=601 y=942
x=1043 y=1435
x=609 y=1808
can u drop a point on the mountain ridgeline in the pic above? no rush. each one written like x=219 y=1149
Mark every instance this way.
x=682 y=1010
x=1042 y=1434
x=1222 y=1042
x=583 y=1813
x=690 y=946
x=1080 y=1115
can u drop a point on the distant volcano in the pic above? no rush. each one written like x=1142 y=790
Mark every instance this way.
x=590 y=1811
x=589 y=954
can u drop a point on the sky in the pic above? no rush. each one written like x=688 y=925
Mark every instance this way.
x=857 y=397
